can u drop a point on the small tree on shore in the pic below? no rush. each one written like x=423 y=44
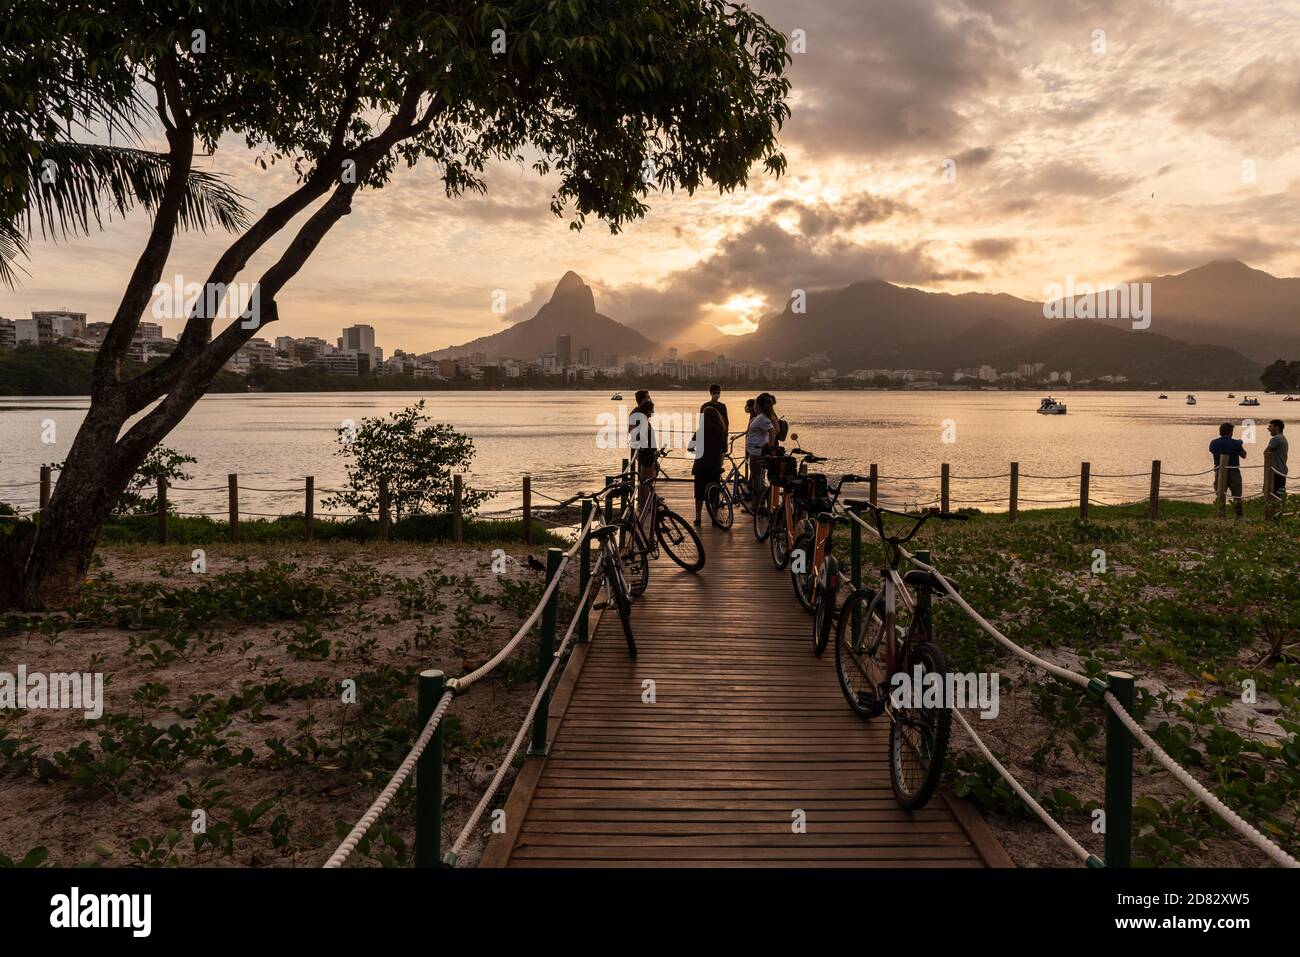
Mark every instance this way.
x=418 y=461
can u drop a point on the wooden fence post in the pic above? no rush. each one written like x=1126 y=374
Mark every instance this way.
x=1221 y=486
x=310 y=514
x=1015 y=492
x=428 y=773
x=233 y=481
x=545 y=652
x=528 y=509
x=874 y=484
x=162 y=510
x=45 y=488
x=1153 y=507
x=1268 y=485
x=457 y=520
x=1084 y=471
x=383 y=508
x=943 y=487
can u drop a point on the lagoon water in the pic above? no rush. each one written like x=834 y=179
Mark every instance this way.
x=273 y=440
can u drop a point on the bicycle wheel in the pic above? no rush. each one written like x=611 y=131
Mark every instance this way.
x=635 y=561
x=801 y=570
x=778 y=541
x=618 y=593
x=860 y=661
x=742 y=493
x=918 y=735
x=824 y=613
x=718 y=502
x=762 y=520
x=679 y=540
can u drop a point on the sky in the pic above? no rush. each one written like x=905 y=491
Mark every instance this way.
x=950 y=145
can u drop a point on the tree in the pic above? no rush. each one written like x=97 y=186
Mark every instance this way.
x=417 y=460
x=141 y=495
x=47 y=179
x=1282 y=376
x=614 y=98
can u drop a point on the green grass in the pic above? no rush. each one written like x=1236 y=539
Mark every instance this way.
x=143 y=529
x=1209 y=607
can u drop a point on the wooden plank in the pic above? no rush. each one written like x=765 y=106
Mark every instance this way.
x=747 y=733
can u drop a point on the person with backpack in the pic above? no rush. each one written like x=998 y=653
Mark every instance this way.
x=759 y=437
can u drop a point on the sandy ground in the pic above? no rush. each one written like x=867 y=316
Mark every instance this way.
x=81 y=825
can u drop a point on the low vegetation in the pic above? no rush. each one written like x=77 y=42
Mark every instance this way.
x=1204 y=612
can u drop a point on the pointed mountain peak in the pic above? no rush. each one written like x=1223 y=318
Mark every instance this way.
x=573 y=292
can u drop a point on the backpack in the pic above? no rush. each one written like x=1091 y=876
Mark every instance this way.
x=782 y=429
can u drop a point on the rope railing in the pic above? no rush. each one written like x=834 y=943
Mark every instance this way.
x=458 y=686
x=1100 y=687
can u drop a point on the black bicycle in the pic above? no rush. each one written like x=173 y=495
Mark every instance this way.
x=616 y=587
x=721 y=498
x=877 y=639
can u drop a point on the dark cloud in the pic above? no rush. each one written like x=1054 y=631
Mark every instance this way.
x=1267 y=87
x=1160 y=260
x=994 y=248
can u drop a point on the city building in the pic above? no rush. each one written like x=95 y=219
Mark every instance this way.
x=8 y=335
x=361 y=339
x=66 y=325
x=584 y=356
x=564 y=351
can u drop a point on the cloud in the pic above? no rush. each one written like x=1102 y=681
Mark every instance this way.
x=995 y=248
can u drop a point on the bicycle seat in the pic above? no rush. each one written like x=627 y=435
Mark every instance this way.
x=605 y=531
x=919 y=578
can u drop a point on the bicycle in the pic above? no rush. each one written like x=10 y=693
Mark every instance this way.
x=791 y=503
x=720 y=498
x=612 y=573
x=649 y=528
x=874 y=643
x=777 y=464
x=814 y=572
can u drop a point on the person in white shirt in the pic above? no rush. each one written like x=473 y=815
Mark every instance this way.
x=760 y=434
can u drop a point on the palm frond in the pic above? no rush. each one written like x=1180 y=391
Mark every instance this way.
x=73 y=186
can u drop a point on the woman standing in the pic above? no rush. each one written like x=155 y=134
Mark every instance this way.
x=761 y=434
x=711 y=443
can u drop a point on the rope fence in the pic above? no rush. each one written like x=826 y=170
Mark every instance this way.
x=1118 y=744
x=433 y=686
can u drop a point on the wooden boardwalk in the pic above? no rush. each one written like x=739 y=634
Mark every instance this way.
x=747 y=730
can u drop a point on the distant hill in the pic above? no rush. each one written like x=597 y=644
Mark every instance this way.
x=571 y=311
x=55 y=370
x=1090 y=349
x=880 y=325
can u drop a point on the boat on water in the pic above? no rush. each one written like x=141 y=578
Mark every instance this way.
x=616 y=397
x=1162 y=396
x=1249 y=400
x=1191 y=399
x=1291 y=398
x=1050 y=406
x=1232 y=395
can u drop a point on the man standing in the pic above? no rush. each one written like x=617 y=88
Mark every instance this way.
x=715 y=395
x=1277 y=445
x=1225 y=444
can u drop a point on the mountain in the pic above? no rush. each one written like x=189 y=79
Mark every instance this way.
x=1227 y=303
x=878 y=324
x=1090 y=349
x=571 y=311
x=1210 y=326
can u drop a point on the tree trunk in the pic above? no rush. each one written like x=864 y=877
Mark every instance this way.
x=52 y=563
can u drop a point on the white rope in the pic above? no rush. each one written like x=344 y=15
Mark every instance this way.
x=1203 y=794
x=508 y=760
x=1081 y=851
x=399 y=777
x=1242 y=827
x=462 y=684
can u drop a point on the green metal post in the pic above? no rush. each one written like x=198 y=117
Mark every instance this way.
x=1119 y=775
x=923 y=594
x=545 y=652
x=584 y=572
x=428 y=775
x=855 y=569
